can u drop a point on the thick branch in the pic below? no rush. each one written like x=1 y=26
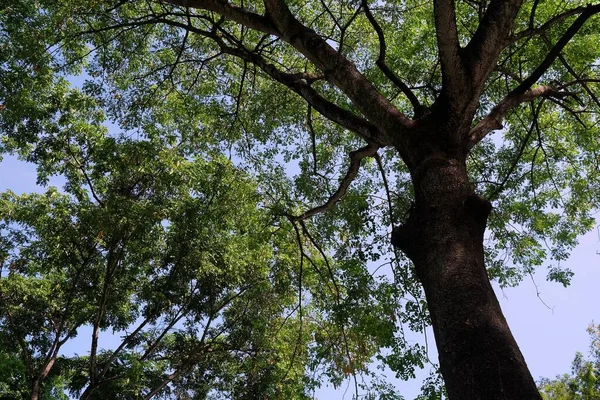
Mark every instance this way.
x=493 y=120
x=338 y=69
x=299 y=83
x=448 y=47
x=558 y=47
x=280 y=22
x=229 y=11
x=522 y=92
x=491 y=35
x=355 y=159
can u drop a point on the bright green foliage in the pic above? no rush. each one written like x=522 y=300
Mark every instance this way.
x=14 y=383
x=584 y=381
x=183 y=168
x=171 y=254
x=180 y=258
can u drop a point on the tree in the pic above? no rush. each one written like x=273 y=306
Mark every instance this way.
x=583 y=383
x=170 y=254
x=416 y=86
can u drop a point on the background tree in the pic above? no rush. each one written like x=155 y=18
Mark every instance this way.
x=172 y=253
x=157 y=249
x=416 y=87
x=584 y=382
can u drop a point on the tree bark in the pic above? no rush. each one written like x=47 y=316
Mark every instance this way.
x=35 y=390
x=443 y=236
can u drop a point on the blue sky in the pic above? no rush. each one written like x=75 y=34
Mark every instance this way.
x=550 y=337
x=548 y=334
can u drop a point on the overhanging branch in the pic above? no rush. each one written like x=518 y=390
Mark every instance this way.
x=280 y=22
x=493 y=120
x=532 y=31
x=301 y=84
x=355 y=158
x=523 y=92
x=298 y=82
x=417 y=107
x=578 y=79
x=558 y=47
x=229 y=11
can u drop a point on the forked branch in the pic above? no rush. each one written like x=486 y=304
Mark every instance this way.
x=558 y=47
x=280 y=22
x=301 y=84
x=578 y=79
x=484 y=48
x=297 y=82
x=523 y=92
x=337 y=69
x=533 y=31
x=448 y=46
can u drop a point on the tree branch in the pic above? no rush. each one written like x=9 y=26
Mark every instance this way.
x=330 y=272
x=299 y=83
x=111 y=265
x=344 y=29
x=337 y=69
x=578 y=79
x=229 y=11
x=555 y=51
x=489 y=39
x=532 y=13
x=355 y=158
x=531 y=31
x=123 y=344
x=448 y=47
x=280 y=22
x=313 y=141
x=523 y=92
x=493 y=120
x=417 y=107
x=517 y=158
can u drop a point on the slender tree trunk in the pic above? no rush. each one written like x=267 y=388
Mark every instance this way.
x=443 y=236
x=35 y=390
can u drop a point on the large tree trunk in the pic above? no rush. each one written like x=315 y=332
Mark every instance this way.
x=443 y=236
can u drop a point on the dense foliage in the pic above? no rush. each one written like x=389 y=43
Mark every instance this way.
x=202 y=287
x=207 y=224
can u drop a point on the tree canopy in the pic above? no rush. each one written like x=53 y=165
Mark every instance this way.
x=234 y=171
x=583 y=383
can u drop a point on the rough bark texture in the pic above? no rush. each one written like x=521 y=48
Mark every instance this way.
x=443 y=236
